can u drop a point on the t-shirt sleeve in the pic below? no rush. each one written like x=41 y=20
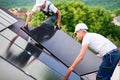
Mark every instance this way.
x=35 y=8
x=86 y=40
x=53 y=8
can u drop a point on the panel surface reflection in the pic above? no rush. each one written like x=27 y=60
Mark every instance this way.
x=14 y=52
x=26 y=59
x=9 y=72
x=13 y=37
x=6 y=19
x=1 y=27
x=25 y=56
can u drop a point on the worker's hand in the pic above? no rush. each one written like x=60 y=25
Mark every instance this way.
x=58 y=25
x=58 y=28
x=26 y=24
x=70 y=69
x=64 y=78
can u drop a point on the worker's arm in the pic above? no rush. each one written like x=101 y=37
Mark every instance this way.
x=28 y=18
x=11 y=43
x=119 y=63
x=76 y=62
x=59 y=18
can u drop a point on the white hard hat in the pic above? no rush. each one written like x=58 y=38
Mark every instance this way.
x=39 y=2
x=80 y=26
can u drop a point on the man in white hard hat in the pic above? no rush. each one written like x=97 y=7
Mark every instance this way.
x=48 y=9
x=105 y=48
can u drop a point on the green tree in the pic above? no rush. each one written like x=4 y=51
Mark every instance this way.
x=72 y=12
x=37 y=19
x=116 y=12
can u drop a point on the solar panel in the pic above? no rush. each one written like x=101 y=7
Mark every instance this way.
x=7 y=33
x=2 y=26
x=57 y=66
x=21 y=56
x=9 y=47
x=66 y=49
x=6 y=20
x=9 y=72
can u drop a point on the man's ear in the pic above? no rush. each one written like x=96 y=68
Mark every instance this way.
x=45 y=3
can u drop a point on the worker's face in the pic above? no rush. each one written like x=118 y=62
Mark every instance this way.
x=79 y=34
x=43 y=6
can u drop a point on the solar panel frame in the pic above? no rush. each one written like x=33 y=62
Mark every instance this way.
x=6 y=20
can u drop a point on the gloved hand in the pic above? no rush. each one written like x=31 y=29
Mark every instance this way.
x=26 y=26
x=58 y=28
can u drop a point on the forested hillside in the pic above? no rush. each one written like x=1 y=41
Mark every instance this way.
x=107 y=4
x=16 y=3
